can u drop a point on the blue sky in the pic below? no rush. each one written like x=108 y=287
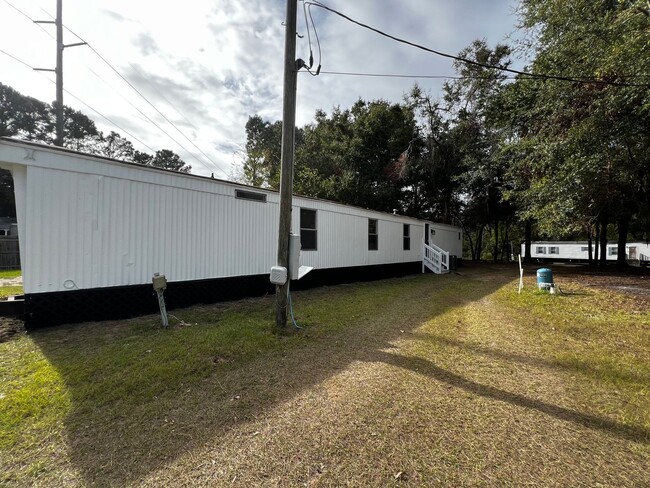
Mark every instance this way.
x=207 y=65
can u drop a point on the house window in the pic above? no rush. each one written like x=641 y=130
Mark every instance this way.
x=406 y=242
x=540 y=250
x=373 y=235
x=612 y=251
x=308 y=233
x=553 y=250
x=250 y=195
x=584 y=249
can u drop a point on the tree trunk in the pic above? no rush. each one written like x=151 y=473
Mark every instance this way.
x=505 y=247
x=495 y=253
x=623 y=228
x=479 y=244
x=590 y=253
x=528 y=237
x=471 y=242
x=603 y=239
x=597 y=245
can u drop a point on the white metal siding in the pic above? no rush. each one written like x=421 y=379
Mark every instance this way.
x=573 y=250
x=448 y=238
x=90 y=223
x=342 y=234
x=89 y=231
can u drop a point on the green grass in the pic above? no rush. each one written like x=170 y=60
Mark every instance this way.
x=7 y=291
x=10 y=273
x=389 y=376
x=601 y=338
x=102 y=372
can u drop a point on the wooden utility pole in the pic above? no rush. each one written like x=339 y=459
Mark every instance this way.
x=288 y=151
x=59 y=73
x=58 y=104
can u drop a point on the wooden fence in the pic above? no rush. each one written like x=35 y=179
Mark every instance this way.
x=9 y=253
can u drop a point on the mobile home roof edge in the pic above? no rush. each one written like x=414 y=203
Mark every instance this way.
x=47 y=147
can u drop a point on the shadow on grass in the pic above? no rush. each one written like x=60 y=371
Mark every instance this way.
x=122 y=440
x=425 y=367
x=557 y=364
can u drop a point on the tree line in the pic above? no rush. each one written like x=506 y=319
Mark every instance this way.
x=561 y=154
x=30 y=119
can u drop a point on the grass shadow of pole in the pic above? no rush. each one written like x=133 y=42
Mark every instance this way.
x=425 y=367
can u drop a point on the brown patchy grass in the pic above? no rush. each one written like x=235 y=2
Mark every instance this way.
x=423 y=381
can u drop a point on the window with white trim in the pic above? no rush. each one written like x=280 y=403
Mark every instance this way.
x=308 y=232
x=373 y=235
x=406 y=240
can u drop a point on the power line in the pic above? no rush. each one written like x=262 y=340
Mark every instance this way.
x=152 y=106
x=78 y=99
x=130 y=103
x=432 y=77
x=30 y=19
x=16 y=59
x=139 y=111
x=107 y=119
x=143 y=77
x=399 y=75
x=471 y=62
x=309 y=18
x=214 y=165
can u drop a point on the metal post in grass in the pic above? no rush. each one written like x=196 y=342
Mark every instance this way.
x=160 y=285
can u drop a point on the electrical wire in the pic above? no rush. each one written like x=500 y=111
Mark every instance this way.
x=311 y=54
x=214 y=165
x=105 y=118
x=78 y=99
x=30 y=19
x=16 y=59
x=143 y=77
x=293 y=320
x=542 y=76
x=308 y=67
x=398 y=75
x=320 y=54
x=136 y=108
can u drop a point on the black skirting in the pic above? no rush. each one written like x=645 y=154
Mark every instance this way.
x=44 y=309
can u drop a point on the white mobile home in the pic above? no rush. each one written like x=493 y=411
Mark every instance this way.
x=578 y=251
x=93 y=231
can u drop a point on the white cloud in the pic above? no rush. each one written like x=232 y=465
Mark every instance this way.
x=209 y=65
